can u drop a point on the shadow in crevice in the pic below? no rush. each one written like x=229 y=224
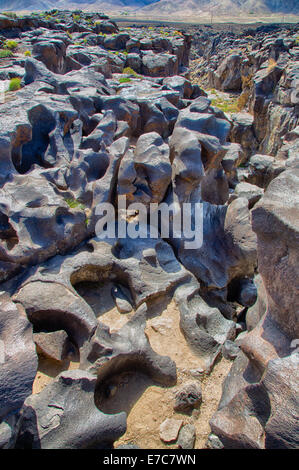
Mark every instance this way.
x=8 y=235
x=156 y=305
x=98 y=295
x=122 y=391
x=32 y=152
x=28 y=438
x=260 y=404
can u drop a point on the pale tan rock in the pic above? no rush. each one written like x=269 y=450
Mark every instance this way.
x=169 y=429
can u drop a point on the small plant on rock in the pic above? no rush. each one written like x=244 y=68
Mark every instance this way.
x=76 y=18
x=5 y=53
x=14 y=84
x=11 y=45
x=74 y=204
x=124 y=80
x=27 y=53
x=130 y=71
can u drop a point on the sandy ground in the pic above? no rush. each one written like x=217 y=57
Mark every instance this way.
x=48 y=370
x=155 y=403
x=146 y=403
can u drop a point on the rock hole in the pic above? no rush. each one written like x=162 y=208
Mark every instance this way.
x=31 y=153
x=7 y=233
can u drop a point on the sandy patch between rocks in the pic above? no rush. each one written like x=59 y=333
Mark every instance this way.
x=48 y=370
x=155 y=403
x=146 y=403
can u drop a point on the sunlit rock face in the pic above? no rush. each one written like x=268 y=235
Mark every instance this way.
x=189 y=286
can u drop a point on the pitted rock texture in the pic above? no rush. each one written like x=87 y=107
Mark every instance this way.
x=102 y=114
x=264 y=378
x=64 y=416
x=18 y=356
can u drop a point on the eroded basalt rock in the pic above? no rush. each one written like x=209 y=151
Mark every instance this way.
x=234 y=245
x=55 y=346
x=204 y=328
x=276 y=223
x=147 y=267
x=145 y=176
x=264 y=375
x=169 y=429
x=109 y=354
x=228 y=75
x=18 y=357
x=64 y=416
x=188 y=397
x=187 y=436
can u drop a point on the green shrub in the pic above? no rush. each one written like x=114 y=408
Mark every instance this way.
x=124 y=80
x=14 y=84
x=5 y=53
x=10 y=14
x=129 y=71
x=27 y=53
x=226 y=105
x=11 y=45
x=74 y=204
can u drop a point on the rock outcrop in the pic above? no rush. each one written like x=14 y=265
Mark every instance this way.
x=128 y=192
x=259 y=406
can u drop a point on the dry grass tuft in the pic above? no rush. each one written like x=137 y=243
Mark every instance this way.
x=271 y=65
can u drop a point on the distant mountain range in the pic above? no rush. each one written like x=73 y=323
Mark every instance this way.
x=19 y=5
x=178 y=8
x=222 y=7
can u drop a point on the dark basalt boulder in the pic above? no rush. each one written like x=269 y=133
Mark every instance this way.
x=159 y=65
x=18 y=357
x=188 y=397
x=64 y=416
x=116 y=42
x=106 y=27
x=264 y=374
x=228 y=75
x=109 y=354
